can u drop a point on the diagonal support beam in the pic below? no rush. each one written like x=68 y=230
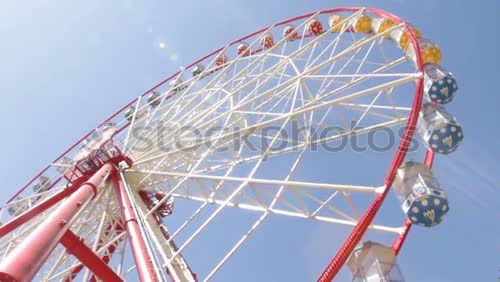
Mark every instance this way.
x=36 y=210
x=23 y=263
x=106 y=258
x=76 y=247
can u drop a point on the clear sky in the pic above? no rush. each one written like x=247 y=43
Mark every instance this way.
x=66 y=65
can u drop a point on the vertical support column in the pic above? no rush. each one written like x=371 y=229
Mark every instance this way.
x=27 y=258
x=137 y=243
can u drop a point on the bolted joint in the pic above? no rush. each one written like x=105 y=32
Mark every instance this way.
x=94 y=188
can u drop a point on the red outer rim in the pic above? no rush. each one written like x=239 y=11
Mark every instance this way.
x=360 y=229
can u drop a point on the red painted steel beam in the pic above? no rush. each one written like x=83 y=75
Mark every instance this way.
x=28 y=257
x=36 y=210
x=110 y=251
x=141 y=255
x=76 y=247
x=396 y=247
x=106 y=258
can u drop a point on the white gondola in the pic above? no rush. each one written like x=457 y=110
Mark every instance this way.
x=64 y=163
x=154 y=99
x=177 y=84
x=18 y=206
x=108 y=125
x=439 y=84
x=197 y=70
x=129 y=113
x=42 y=185
x=372 y=262
x=439 y=129
x=423 y=201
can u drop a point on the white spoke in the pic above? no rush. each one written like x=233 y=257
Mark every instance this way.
x=285 y=183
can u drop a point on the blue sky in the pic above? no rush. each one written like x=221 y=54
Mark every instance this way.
x=66 y=65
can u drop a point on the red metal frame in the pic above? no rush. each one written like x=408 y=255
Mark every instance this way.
x=141 y=255
x=41 y=207
x=360 y=229
x=75 y=176
x=27 y=258
x=88 y=165
x=106 y=258
x=76 y=247
x=150 y=199
x=111 y=249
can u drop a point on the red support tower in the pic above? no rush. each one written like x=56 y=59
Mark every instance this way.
x=25 y=260
x=141 y=254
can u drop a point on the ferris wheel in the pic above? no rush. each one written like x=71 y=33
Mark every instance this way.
x=253 y=132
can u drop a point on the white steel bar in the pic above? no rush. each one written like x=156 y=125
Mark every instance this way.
x=259 y=221
x=286 y=183
x=416 y=75
x=132 y=122
x=396 y=230
x=295 y=113
x=228 y=199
